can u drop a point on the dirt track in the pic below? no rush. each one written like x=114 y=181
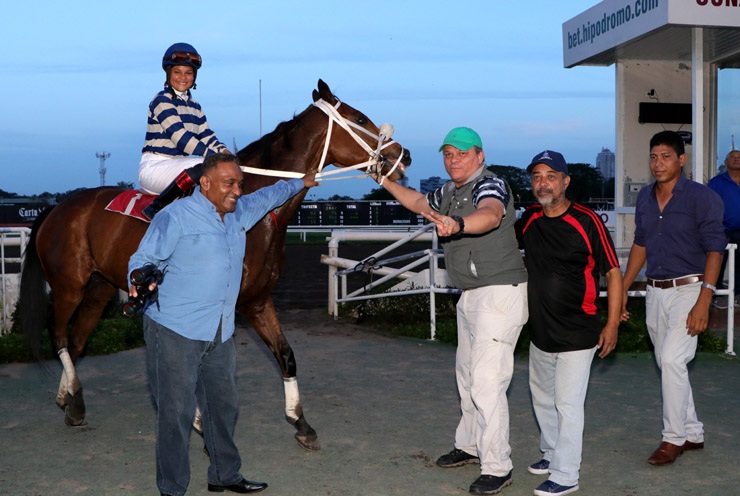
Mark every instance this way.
x=384 y=409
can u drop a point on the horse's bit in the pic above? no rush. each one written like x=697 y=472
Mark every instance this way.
x=375 y=163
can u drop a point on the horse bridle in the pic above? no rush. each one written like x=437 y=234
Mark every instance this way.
x=373 y=165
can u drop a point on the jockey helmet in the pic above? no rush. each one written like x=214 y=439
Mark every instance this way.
x=181 y=54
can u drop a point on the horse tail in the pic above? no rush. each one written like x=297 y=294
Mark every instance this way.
x=33 y=302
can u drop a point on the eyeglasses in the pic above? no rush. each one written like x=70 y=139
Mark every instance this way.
x=180 y=57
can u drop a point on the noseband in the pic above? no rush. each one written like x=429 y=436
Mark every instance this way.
x=373 y=165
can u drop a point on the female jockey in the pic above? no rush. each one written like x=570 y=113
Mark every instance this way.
x=176 y=129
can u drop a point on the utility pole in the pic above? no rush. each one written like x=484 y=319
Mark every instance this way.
x=103 y=157
x=260 y=108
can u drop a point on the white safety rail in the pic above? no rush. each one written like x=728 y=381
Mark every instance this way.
x=338 y=278
x=340 y=268
x=304 y=230
x=10 y=237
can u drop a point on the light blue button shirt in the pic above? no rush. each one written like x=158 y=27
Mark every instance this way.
x=203 y=257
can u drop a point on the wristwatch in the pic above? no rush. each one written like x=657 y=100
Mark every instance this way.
x=460 y=222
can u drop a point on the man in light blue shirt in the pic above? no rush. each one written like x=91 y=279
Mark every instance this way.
x=199 y=244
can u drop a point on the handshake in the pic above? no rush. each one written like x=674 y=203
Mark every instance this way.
x=141 y=279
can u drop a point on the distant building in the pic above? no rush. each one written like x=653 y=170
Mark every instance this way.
x=430 y=184
x=605 y=161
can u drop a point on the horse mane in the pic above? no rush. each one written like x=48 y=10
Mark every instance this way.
x=259 y=153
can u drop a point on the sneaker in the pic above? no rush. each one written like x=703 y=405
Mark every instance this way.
x=549 y=487
x=455 y=458
x=490 y=484
x=540 y=468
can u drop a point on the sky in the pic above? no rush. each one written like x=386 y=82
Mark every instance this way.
x=77 y=78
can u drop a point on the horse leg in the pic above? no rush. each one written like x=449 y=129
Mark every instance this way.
x=265 y=322
x=96 y=295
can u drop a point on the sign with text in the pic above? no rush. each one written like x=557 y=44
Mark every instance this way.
x=615 y=22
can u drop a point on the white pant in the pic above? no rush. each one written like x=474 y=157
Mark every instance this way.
x=558 y=383
x=156 y=172
x=489 y=320
x=666 y=314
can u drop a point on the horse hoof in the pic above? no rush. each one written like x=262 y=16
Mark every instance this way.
x=74 y=411
x=310 y=443
x=72 y=422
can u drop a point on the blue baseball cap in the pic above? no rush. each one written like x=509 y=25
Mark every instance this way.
x=552 y=159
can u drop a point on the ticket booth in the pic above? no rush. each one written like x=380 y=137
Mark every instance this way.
x=677 y=67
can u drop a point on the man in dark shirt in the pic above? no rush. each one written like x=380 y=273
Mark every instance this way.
x=567 y=248
x=678 y=231
x=727 y=186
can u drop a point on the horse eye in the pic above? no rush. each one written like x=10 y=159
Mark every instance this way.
x=362 y=120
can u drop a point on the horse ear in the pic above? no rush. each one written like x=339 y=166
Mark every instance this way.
x=325 y=92
x=316 y=96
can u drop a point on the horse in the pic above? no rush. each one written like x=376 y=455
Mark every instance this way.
x=82 y=250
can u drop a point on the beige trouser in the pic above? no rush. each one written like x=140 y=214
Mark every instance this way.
x=489 y=320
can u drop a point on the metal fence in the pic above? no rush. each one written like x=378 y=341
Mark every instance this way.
x=432 y=280
x=12 y=245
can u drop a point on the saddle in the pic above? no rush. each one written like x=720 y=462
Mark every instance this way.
x=131 y=202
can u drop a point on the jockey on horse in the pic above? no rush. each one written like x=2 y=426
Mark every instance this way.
x=177 y=134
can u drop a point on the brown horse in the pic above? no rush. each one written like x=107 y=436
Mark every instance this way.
x=82 y=250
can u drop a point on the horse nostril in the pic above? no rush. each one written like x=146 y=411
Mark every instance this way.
x=406 y=160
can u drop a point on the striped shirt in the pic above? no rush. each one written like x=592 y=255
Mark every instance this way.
x=484 y=187
x=565 y=256
x=178 y=128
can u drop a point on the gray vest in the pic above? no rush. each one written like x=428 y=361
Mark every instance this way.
x=476 y=260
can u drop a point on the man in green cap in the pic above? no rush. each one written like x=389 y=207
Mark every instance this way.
x=474 y=214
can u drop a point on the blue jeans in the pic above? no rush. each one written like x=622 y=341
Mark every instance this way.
x=182 y=373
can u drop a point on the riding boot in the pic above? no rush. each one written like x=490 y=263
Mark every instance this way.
x=181 y=186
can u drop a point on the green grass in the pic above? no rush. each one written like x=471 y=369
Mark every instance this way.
x=112 y=334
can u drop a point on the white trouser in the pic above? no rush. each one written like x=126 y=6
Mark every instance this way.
x=489 y=320
x=156 y=172
x=666 y=314
x=558 y=383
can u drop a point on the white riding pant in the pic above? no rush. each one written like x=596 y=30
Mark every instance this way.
x=666 y=314
x=156 y=172
x=489 y=320
x=558 y=383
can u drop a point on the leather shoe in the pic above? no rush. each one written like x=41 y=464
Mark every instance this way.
x=242 y=487
x=665 y=454
x=688 y=445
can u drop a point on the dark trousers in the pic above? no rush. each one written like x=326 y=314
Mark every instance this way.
x=182 y=373
x=732 y=237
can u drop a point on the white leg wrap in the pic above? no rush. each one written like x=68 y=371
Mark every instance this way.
x=293 y=408
x=72 y=383
x=198 y=420
x=63 y=385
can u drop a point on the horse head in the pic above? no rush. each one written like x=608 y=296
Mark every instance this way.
x=353 y=140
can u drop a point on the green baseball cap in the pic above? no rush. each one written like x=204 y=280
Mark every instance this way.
x=462 y=138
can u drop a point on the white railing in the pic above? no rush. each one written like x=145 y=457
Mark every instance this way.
x=427 y=280
x=10 y=237
x=340 y=268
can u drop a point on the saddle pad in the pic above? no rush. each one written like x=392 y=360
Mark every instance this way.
x=131 y=202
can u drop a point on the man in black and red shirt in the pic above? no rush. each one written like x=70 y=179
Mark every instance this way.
x=567 y=248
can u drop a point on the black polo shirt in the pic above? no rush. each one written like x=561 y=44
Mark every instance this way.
x=565 y=257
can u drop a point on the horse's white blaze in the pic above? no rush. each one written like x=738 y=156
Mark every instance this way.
x=292 y=398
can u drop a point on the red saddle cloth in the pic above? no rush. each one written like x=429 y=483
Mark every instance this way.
x=131 y=202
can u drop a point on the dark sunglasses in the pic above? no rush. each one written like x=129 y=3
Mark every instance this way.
x=180 y=57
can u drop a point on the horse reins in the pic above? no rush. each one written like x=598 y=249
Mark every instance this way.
x=373 y=165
